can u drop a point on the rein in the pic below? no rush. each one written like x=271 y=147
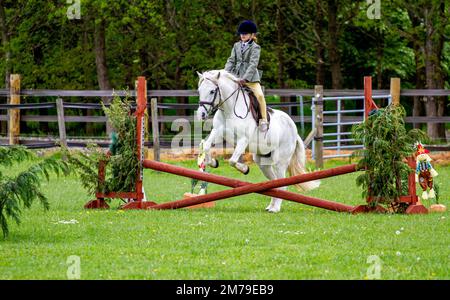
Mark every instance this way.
x=217 y=107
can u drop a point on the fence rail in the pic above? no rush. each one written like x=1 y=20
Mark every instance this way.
x=102 y=119
x=194 y=93
x=329 y=117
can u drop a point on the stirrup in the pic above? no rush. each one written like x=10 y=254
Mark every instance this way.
x=263 y=125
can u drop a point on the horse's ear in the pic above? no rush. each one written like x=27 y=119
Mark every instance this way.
x=199 y=74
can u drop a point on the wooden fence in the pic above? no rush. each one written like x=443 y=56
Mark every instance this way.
x=156 y=107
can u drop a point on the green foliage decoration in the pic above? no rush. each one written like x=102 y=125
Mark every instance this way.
x=20 y=191
x=121 y=166
x=86 y=165
x=387 y=144
x=125 y=163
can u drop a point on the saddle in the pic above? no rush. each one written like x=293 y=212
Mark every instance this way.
x=254 y=106
x=256 y=111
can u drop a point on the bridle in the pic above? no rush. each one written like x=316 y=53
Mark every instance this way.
x=214 y=108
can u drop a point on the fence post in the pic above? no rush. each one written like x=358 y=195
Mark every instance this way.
x=61 y=122
x=318 y=125
x=302 y=116
x=395 y=91
x=14 y=114
x=155 y=129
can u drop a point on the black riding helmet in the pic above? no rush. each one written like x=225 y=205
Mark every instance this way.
x=247 y=26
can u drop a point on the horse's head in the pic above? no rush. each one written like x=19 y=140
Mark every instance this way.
x=209 y=91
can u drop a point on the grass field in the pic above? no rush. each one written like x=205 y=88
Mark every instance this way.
x=236 y=239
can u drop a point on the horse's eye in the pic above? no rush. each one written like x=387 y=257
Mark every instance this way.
x=212 y=92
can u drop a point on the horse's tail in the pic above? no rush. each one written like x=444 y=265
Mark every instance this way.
x=297 y=166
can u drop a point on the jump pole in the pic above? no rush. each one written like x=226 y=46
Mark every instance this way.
x=241 y=187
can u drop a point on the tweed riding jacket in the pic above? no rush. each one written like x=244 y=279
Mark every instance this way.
x=244 y=62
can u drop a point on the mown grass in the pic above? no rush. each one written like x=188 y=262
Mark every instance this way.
x=236 y=239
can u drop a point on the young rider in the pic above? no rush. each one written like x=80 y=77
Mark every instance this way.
x=243 y=62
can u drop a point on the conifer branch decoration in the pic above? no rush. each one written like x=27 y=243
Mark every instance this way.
x=122 y=167
x=386 y=145
x=22 y=190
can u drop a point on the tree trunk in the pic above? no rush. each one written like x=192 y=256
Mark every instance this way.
x=442 y=111
x=333 y=52
x=441 y=101
x=418 y=106
x=279 y=22
x=433 y=72
x=173 y=19
x=89 y=112
x=320 y=60
x=179 y=85
x=280 y=51
x=379 y=69
x=100 y=56
x=5 y=44
x=100 y=62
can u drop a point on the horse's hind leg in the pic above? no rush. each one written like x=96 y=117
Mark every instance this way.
x=280 y=172
x=274 y=172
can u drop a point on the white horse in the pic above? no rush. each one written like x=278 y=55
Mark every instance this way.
x=275 y=151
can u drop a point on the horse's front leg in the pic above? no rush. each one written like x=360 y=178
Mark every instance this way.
x=213 y=137
x=238 y=151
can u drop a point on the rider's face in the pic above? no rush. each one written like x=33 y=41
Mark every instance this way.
x=245 y=36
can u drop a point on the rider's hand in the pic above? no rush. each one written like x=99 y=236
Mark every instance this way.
x=242 y=82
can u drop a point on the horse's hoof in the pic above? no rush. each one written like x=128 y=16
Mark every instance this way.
x=241 y=167
x=214 y=163
x=272 y=209
x=246 y=172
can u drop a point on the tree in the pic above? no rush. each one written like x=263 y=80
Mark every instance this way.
x=426 y=30
x=5 y=42
x=304 y=43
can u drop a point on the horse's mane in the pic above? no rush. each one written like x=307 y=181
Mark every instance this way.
x=212 y=74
